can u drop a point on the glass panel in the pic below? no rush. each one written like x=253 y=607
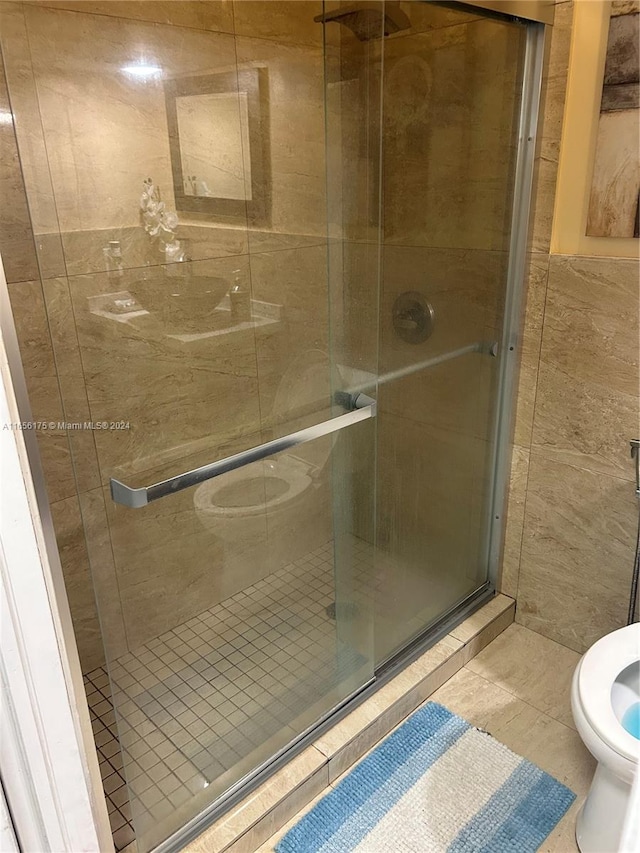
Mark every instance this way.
x=450 y=130
x=190 y=311
x=207 y=292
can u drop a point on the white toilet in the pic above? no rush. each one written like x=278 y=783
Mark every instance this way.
x=605 y=699
x=286 y=487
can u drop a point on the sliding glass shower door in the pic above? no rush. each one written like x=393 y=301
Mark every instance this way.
x=442 y=195
x=273 y=260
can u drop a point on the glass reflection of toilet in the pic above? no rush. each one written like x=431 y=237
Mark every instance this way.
x=605 y=700
x=287 y=492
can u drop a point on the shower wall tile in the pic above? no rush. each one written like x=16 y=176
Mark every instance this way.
x=176 y=371
x=550 y=127
x=427 y=548
x=588 y=397
x=75 y=566
x=355 y=304
x=296 y=152
x=464 y=289
x=33 y=151
x=103 y=577
x=16 y=237
x=173 y=558
x=584 y=423
x=428 y=16
x=577 y=552
x=445 y=180
x=71 y=381
x=518 y=478
x=288 y=21
x=215 y=15
x=531 y=340
x=30 y=318
x=591 y=320
x=114 y=133
x=296 y=281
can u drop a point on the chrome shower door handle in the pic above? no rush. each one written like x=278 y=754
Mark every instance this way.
x=364 y=407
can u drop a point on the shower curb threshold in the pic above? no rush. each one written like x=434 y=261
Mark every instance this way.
x=269 y=807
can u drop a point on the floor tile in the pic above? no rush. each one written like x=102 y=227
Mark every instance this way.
x=533 y=668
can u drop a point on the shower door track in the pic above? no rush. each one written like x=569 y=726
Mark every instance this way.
x=387 y=671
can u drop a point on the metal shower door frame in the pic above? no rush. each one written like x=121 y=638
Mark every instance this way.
x=510 y=350
x=531 y=85
x=511 y=344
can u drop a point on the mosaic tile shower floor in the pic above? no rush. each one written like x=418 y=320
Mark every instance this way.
x=195 y=701
x=219 y=690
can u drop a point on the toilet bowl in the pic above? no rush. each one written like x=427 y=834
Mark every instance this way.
x=285 y=488
x=604 y=695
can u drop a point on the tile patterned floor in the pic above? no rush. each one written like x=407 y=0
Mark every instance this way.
x=198 y=699
x=103 y=723
x=201 y=701
x=518 y=690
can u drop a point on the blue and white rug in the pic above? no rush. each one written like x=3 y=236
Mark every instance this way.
x=436 y=784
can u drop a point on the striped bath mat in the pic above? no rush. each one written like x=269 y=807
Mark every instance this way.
x=436 y=784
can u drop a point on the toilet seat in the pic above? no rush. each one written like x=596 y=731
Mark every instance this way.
x=599 y=668
x=293 y=473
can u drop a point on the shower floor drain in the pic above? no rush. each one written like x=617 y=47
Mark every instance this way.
x=348 y=610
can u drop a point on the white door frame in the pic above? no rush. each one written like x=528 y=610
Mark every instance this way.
x=48 y=761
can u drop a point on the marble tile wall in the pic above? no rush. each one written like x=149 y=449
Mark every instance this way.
x=18 y=252
x=87 y=137
x=572 y=512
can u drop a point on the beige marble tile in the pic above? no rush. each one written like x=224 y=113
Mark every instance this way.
x=585 y=423
x=488 y=634
x=18 y=258
x=591 y=319
x=16 y=236
x=144 y=371
x=588 y=397
x=479 y=621
x=533 y=668
x=349 y=739
x=555 y=78
x=514 y=524
x=446 y=163
x=270 y=844
x=71 y=381
x=427 y=557
x=424 y=17
x=280 y=20
x=548 y=743
x=261 y=804
x=293 y=359
x=577 y=552
x=103 y=577
x=531 y=338
x=550 y=128
x=216 y=15
x=115 y=132
x=543 y=200
x=294 y=75
x=31 y=143
x=32 y=328
x=67 y=522
x=280 y=815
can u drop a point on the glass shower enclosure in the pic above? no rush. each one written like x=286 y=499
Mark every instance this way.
x=279 y=265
